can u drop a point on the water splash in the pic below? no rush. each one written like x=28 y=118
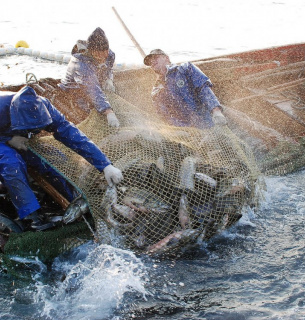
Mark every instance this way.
x=94 y=287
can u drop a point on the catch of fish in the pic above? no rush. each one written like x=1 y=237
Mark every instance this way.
x=159 y=218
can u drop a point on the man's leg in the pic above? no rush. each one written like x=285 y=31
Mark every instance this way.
x=14 y=177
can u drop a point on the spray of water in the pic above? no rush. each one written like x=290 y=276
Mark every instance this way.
x=93 y=287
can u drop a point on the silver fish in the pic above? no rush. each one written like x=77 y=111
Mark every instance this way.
x=160 y=164
x=183 y=212
x=125 y=211
x=75 y=210
x=135 y=203
x=237 y=185
x=109 y=202
x=204 y=177
x=187 y=173
x=139 y=235
x=173 y=241
x=135 y=199
x=109 y=199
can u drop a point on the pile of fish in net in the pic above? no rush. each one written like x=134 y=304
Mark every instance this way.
x=181 y=185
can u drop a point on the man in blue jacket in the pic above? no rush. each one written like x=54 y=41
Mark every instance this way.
x=90 y=72
x=25 y=113
x=182 y=93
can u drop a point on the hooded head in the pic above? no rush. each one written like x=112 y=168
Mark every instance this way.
x=97 y=41
x=28 y=111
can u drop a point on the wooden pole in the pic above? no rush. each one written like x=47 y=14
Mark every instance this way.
x=48 y=188
x=129 y=33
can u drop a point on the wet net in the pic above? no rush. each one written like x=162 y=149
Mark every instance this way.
x=181 y=185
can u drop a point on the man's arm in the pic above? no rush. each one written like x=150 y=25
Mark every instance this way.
x=87 y=77
x=202 y=86
x=67 y=133
x=205 y=94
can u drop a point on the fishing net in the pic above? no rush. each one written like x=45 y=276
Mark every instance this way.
x=181 y=185
x=266 y=107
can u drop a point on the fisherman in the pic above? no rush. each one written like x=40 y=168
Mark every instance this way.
x=182 y=93
x=90 y=73
x=23 y=114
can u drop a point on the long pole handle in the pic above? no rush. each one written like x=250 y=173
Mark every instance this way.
x=129 y=33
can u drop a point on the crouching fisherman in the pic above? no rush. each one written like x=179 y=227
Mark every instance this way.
x=23 y=114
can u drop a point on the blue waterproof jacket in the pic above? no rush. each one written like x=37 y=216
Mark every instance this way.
x=184 y=97
x=24 y=112
x=86 y=74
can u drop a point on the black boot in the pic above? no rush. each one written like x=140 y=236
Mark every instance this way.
x=38 y=221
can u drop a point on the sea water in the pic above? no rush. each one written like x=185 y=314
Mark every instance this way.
x=185 y=29
x=254 y=270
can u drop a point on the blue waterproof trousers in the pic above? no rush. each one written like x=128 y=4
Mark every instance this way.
x=13 y=174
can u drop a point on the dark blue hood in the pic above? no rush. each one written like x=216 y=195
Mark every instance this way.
x=28 y=111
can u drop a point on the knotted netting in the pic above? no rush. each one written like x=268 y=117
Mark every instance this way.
x=181 y=185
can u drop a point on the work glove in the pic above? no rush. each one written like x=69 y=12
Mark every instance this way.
x=112 y=120
x=218 y=118
x=18 y=142
x=113 y=175
x=109 y=86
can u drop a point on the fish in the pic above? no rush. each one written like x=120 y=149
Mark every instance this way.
x=10 y=224
x=173 y=241
x=208 y=180
x=125 y=211
x=55 y=219
x=183 y=212
x=187 y=173
x=237 y=185
x=160 y=164
x=110 y=219
x=77 y=208
x=208 y=232
x=139 y=236
x=135 y=199
x=135 y=203
x=107 y=206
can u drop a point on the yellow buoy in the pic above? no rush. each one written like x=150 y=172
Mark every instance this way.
x=22 y=43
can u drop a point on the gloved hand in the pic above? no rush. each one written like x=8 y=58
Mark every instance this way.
x=219 y=118
x=108 y=85
x=18 y=142
x=113 y=175
x=112 y=120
